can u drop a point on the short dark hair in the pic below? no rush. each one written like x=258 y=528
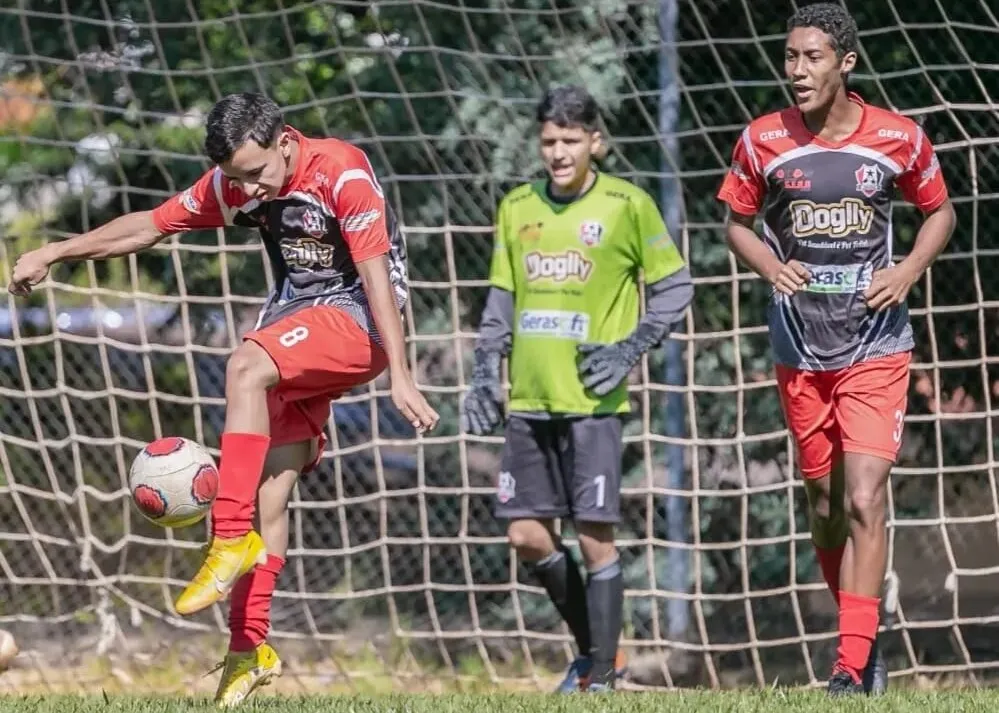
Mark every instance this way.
x=569 y=105
x=238 y=118
x=832 y=19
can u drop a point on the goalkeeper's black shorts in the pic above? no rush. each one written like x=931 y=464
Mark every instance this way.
x=556 y=467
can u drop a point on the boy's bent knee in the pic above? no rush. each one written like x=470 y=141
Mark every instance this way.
x=250 y=367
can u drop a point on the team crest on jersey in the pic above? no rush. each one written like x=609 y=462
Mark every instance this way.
x=590 y=232
x=869 y=179
x=313 y=222
x=189 y=202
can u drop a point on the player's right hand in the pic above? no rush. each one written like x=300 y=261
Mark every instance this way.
x=791 y=277
x=481 y=411
x=29 y=269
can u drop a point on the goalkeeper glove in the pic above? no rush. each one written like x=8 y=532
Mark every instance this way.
x=604 y=366
x=482 y=409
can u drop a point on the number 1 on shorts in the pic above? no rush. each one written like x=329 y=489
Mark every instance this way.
x=600 y=482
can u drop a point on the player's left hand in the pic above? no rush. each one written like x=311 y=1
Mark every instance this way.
x=889 y=287
x=604 y=366
x=411 y=403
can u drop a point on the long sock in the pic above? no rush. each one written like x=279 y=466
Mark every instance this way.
x=858 y=625
x=830 y=561
x=559 y=575
x=605 y=600
x=250 y=606
x=241 y=467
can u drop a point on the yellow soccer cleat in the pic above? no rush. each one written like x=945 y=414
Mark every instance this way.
x=244 y=672
x=228 y=559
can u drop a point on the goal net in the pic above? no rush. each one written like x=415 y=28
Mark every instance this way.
x=397 y=572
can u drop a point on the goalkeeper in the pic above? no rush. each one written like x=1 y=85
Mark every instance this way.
x=564 y=304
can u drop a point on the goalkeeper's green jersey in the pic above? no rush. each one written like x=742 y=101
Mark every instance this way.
x=573 y=269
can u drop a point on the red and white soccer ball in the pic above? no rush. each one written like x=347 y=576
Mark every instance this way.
x=173 y=482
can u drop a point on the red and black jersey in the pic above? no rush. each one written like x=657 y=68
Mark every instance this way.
x=828 y=205
x=328 y=217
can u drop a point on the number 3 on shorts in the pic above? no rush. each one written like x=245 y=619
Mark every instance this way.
x=294 y=336
x=896 y=433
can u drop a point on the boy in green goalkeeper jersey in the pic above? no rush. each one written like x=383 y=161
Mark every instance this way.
x=564 y=304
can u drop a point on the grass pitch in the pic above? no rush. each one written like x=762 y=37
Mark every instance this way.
x=769 y=701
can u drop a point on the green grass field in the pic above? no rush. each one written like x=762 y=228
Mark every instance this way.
x=775 y=700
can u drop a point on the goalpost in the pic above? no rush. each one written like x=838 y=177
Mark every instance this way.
x=397 y=571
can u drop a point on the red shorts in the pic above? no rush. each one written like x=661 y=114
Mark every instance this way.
x=321 y=353
x=857 y=409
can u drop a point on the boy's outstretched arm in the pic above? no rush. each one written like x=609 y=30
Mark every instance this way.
x=124 y=235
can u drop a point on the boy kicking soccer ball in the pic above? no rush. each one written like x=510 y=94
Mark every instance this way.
x=333 y=323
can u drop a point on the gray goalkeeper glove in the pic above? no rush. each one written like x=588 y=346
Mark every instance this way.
x=604 y=366
x=482 y=409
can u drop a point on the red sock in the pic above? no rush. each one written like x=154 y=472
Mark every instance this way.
x=830 y=560
x=858 y=625
x=240 y=469
x=250 y=606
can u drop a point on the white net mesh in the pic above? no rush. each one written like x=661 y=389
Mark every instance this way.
x=397 y=571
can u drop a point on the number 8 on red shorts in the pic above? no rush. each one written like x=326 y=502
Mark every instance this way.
x=321 y=353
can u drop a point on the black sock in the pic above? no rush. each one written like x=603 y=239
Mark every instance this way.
x=605 y=599
x=559 y=574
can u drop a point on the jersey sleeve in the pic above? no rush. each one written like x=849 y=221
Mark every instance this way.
x=655 y=251
x=501 y=265
x=922 y=182
x=201 y=206
x=743 y=187
x=359 y=203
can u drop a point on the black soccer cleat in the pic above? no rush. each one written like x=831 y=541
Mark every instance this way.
x=841 y=683
x=601 y=684
x=875 y=677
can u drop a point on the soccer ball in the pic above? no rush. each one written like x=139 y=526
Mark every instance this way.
x=173 y=482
